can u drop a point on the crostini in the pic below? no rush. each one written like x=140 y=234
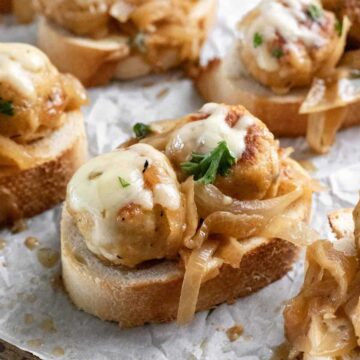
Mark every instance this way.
x=322 y=321
x=189 y=214
x=283 y=68
x=42 y=137
x=101 y=40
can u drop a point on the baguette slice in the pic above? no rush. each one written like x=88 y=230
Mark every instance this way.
x=25 y=193
x=225 y=82
x=150 y=293
x=96 y=62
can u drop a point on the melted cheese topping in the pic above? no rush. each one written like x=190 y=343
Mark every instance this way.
x=96 y=189
x=17 y=62
x=204 y=135
x=285 y=18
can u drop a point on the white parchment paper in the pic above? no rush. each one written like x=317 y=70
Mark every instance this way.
x=41 y=319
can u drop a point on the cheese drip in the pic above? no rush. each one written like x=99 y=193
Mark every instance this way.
x=17 y=62
x=204 y=135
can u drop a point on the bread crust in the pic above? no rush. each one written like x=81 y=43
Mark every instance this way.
x=150 y=294
x=279 y=112
x=96 y=62
x=29 y=192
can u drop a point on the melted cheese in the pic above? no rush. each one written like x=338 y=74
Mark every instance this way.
x=286 y=18
x=95 y=188
x=204 y=135
x=17 y=62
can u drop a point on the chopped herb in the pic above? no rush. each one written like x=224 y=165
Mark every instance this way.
x=139 y=42
x=314 y=12
x=338 y=27
x=94 y=174
x=123 y=182
x=205 y=167
x=6 y=107
x=146 y=165
x=141 y=130
x=277 y=52
x=257 y=40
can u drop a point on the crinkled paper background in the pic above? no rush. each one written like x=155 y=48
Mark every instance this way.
x=41 y=319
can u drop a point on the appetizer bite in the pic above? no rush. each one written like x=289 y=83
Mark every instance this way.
x=283 y=68
x=322 y=321
x=100 y=40
x=189 y=214
x=42 y=137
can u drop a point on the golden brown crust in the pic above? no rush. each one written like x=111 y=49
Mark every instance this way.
x=32 y=191
x=279 y=113
x=150 y=294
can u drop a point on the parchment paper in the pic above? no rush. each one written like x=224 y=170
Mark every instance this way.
x=41 y=319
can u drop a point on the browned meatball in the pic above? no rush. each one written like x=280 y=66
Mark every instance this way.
x=257 y=164
x=284 y=43
x=33 y=94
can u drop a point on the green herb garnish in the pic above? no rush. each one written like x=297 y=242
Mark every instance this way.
x=257 y=40
x=338 y=27
x=141 y=130
x=205 y=167
x=277 y=52
x=123 y=182
x=139 y=42
x=6 y=108
x=314 y=12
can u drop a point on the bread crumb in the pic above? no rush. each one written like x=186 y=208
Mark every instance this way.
x=234 y=332
x=31 y=242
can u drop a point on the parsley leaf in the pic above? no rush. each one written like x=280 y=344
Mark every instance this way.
x=257 y=40
x=277 y=52
x=338 y=27
x=141 y=130
x=6 y=107
x=314 y=12
x=123 y=182
x=205 y=167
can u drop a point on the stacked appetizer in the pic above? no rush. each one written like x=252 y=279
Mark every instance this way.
x=189 y=214
x=285 y=69
x=322 y=322
x=98 y=40
x=42 y=138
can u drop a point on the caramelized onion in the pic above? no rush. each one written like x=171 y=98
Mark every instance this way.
x=192 y=219
x=210 y=199
x=13 y=154
x=240 y=226
x=292 y=230
x=195 y=270
x=231 y=252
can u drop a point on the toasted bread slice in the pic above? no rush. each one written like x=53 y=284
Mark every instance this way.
x=150 y=293
x=24 y=193
x=96 y=62
x=220 y=81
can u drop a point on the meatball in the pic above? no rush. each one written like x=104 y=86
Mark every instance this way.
x=33 y=95
x=256 y=168
x=128 y=206
x=285 y=43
